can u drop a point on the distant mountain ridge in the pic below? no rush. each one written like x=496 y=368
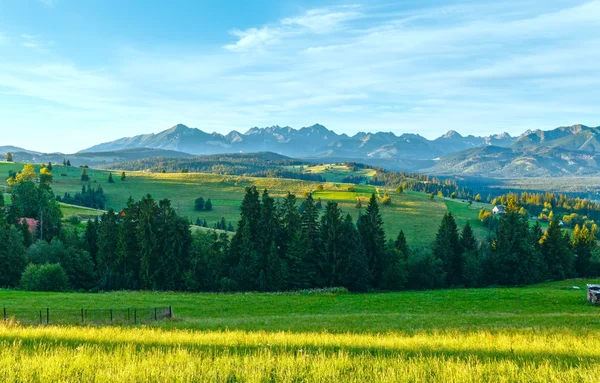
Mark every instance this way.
x=312 y=141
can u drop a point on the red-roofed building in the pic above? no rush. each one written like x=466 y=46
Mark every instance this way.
x=32 y=223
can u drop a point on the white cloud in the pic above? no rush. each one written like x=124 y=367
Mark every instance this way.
x=321 y=20
x=317 y=21
x=252 y=38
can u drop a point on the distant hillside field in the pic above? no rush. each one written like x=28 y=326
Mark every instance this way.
x=415 y=213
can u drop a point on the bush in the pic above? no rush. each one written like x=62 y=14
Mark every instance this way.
x=74 y=220
x=47 y=277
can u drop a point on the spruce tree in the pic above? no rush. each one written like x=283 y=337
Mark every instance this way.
x=514 y=260
x=199 y=204
x=584 y=244
x=331 y=257
x=123 y=177
x=401 y=245
x=447 y=248
x=370 y=226
x=310 y=236
x=110 y=178
x=556 y=253
x=84 y=176
x=208 y=206
x=355 y=269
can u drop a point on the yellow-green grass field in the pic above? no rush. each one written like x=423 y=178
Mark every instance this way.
x=543 y=333
x=335 y=172
x=412 y=212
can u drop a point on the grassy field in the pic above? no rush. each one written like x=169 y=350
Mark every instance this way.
x=544 y=333
x=412 y=212
x=335 y=173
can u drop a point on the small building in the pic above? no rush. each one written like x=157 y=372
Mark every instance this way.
x=31 y=223
x=593 y=294
x=498 y=209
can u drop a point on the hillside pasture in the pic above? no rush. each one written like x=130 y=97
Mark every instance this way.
x=415 y=213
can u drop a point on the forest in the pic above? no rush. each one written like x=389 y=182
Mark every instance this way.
x=277 y=246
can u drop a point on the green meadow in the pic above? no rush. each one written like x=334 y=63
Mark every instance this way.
x=415 y=213
x=542 y=333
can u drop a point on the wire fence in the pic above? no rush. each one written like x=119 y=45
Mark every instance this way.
x=83 y=316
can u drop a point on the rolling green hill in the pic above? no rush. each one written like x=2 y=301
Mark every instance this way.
x=415 y=213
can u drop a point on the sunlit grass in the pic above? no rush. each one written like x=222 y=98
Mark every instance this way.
x=153 y=355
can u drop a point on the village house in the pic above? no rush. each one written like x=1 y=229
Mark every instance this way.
x=31 y=223
x=498 y=209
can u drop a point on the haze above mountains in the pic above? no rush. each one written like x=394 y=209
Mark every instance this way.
x=564 y=151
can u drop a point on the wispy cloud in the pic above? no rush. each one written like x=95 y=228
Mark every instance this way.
x=253 y=38
x=322 y=20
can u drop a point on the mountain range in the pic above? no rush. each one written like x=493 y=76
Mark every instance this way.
x=564 y=151
x=315 y=141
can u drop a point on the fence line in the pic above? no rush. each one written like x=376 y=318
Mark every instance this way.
x=85 y=316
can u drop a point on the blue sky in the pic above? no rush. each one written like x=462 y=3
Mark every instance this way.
x=75 y=73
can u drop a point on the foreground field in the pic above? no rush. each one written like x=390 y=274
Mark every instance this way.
x=415 y=213
x=544 y=333
x=146 y=355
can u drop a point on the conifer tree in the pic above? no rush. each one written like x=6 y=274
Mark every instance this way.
x=110 y=178
x=401 y=245
x=331 y=257
x=370 y=226
x=123 y=177
x=208 y=206
x=199 y=204
x=556 y=253
x=584 y=244
x=84 y=176
x=447 y=248
x=355 y=269
x=514 y=260
x=91 y=240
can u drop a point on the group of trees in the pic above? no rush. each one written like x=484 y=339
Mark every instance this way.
x=200 y=204
x=280 y=246
x=88 y=197
x=558 y=204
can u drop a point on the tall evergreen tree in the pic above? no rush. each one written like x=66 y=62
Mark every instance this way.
x=128 y=247
x=584 y=244
x=310 y=236
x=355 y=268
x=556 y=253
x=107 y=258
x=91 y=240
x=514 y=260
x=370 y=226
x=401 y=245
x=331 y=259
x=447 y=248
x=147 y=241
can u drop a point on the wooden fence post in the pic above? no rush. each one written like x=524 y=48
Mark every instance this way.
x=170 y=312
x=82 y=317
x=41 y=323
x=47 y=316
x=134 y=315
x=155 y=316
x=110 y=315
x=5 y=313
